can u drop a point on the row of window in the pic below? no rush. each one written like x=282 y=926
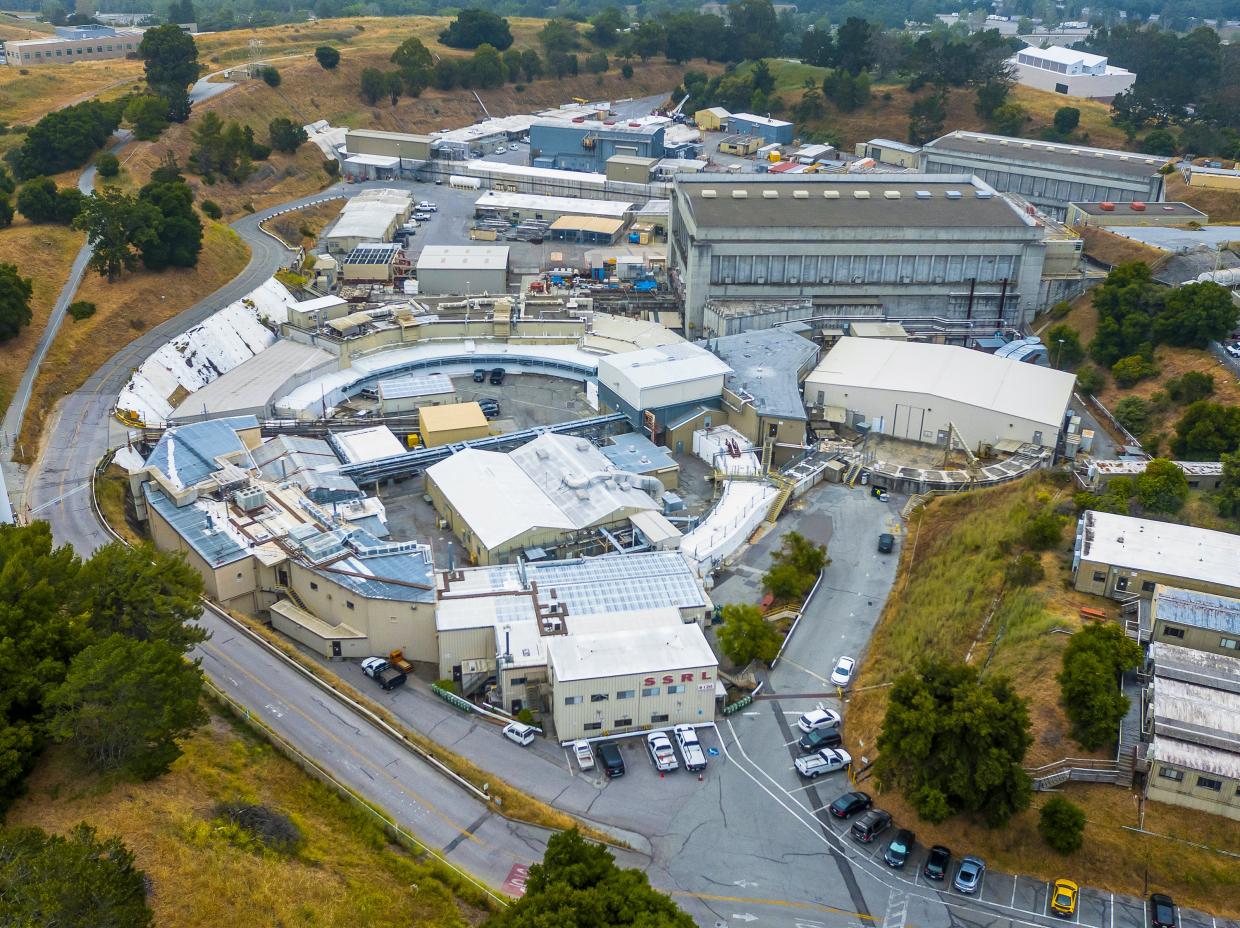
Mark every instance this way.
x=87 y=50
x=868 y=269
x=658 y=718
x=1026 y=184
x=1216 y=786
x=625 y=694
x=1121 y=583
x=1045 y=64
x=1229 y=644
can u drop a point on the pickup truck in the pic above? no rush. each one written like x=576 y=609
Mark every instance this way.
x=383 y=673
x=661 y=753
x=584 y=755
x=690 y=748
x=828 y=760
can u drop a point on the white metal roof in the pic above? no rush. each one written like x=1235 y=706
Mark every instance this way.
x=962 y=375
x=463 y=258
x=414 y=385
x=1195 y=757
x=573 y=206
x=1162 y=547
x=624 y=653
x=1061 y=55
x=377 y=161
x=370 y=214
x=370 y=444
x=682 y=362
x=760 y=120
x=569 y=178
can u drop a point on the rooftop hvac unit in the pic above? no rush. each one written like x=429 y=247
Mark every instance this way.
x=861 y=194
x=923 y=194
x=952 y=194
x=800 y=194
x=1075 y=151
x=740 y=194
x=983 y=194
x=794 y=280
x=891 y=194
x=250 y=499
x=1106 y=206
x=760 y=280
x=830 y=194
x=770 y=194
x=709 y=194
x=1137 y=206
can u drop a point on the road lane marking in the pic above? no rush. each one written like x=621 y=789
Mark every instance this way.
x=780 y=903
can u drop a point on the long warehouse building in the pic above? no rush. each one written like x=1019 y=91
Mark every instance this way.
x=747 y=254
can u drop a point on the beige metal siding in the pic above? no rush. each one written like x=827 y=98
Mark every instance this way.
x=694 y=706
x=1186 y=791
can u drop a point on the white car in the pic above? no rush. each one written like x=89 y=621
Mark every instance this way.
x=828 y=760
x=501 y=150
x=818 y=718
x=842 y=674
x=519 y=733
x=585 y=756
x=690 y=748
x=661 y=753
x=1233 y=350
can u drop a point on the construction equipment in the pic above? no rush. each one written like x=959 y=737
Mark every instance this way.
x=972 y=466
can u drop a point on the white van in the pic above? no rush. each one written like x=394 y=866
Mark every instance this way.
x=520 y=733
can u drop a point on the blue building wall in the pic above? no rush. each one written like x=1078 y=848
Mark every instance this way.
x=781 y=133
x=561 y=146
x=664 y=415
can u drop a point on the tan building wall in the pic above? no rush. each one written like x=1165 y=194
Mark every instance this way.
x=367 y=272
x=1214 y=181
x=460 y=645
x=389 y=144
x=410 y=403
x=575 y=704
x=711 y=122
x=434 y=438
x=1121 y=583
x=234 y=586
x=1199 y=639
x=67 y=51
x=1183 y=789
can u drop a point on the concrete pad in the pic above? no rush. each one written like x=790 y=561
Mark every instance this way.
x=1093 y=908
x=998 y=888
x=1030 y=895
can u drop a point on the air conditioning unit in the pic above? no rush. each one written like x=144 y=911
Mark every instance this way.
x=794 y=280
x=905 y=279
x=938 y=280
x=728 y=280
x=858 y=280
x=760 y=280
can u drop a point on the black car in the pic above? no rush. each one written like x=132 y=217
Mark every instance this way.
x=871 y=825
x=490 y=408
x=497 y=376
x=1162 y=912
x=850 y=804
x=886 y=543
x=820 y=738
x=936 y=863
x=610 y=760
x=480 y=375
x=899 y=848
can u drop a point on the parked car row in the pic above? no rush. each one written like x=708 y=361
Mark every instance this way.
x=663 y=756
x=496 y=375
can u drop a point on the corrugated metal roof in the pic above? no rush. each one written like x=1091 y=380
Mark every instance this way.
x=186 y=454
x=1198 y=610
x=207 y=535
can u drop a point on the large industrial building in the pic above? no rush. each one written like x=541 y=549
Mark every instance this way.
x=1050 y=175
x=554 y=494
x=656 y=387
x=926 y=250
x=463 y=269
x=73 y=43
x=1070 y=72
x=587 y=145
x=1124 y=557
x=777 y=131
x=921 y=392
x=369 y=218
x=371 y=153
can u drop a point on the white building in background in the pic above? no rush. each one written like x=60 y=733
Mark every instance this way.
x=1073 y=73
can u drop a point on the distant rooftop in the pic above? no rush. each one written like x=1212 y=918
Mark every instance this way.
x=207 y=532
x=766 y=364
x=1197 y=610
x=1134 y=165
x=637 y=454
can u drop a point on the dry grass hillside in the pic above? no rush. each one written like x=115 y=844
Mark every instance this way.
x=204 y=872
x=1222 y=206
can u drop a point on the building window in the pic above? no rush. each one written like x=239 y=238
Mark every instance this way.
x=623 y=723
x=1169 y=632
x=650 y=691
x=1147 y=586
x=314 y=586
x=598 y=697
x=517 y=681
x=658 y=718
x=626 y=694
x=676 y=688
x=593 y=726
x=1121 y=583
x=571 y=700
x=1168 y=774
x=1229 y=643
x=349 y=604
x=1100 y=576
x=1210 y=783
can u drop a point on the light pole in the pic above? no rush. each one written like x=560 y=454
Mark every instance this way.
x=1058 y=353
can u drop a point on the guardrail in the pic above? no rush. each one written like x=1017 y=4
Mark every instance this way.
x=797 y=621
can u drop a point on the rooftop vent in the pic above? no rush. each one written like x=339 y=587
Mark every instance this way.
x=740 y=194
x=831 y=194
x=1106 y=206
x=861 y=194
x=770 y=194
x=800 y=194
x=1075 y=151
x=1002 y=141
x=891 y=194
x=1137 y=206
x=1026 y=145
x=709 y=193
x=923 y=194
x=952 y=194
x=983 y=194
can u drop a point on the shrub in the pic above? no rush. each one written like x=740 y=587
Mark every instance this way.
x=327 y=56
x=1163 y=487
x=271 y=77
x=1190 y=387
x=1062 y=825
x=446 y=684
x=1043 y=530
x=211 y=209
x=1026 y=570
x=626 y=71
x=525 y=717
x=331 y=167
x=1132 y=369
x=1089 y=682
x=1133 y=413
x=1090 y=379
x=273 y=830
x=107 y=165
x=81 y=309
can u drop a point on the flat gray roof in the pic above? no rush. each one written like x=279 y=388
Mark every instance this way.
x=1153 y=209
x=1129 y=164
x=765 y=364
x=840 y=201
x=254 y=382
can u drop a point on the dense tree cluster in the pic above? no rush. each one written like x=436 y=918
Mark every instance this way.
x=954 y=742
x=63 y=622
x=15 y=315
x=285 y=135
x=66 y=138
x=578 y=883
x=327 y=56
x=226 y=150
x=158 y=228
x=746 y=636
x=170 y=59
x=1089 y=682
x=473 y=28
x=794 y=567
x=41 y=201
x=1206 y=431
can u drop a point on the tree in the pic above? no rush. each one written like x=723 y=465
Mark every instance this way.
x=1159 y=142
x=170 y=59
x=72 y=881
x=1009 y=119
x=512 y=64
x=746 y=636
x=286 y=135
x=117 y=226
x=1090 y=379
x=224 y=149
x=178 y=232
x=1229 y=486
x=626 y=71
x=597 y=63
x=531 y=64
x=1067 y=118
x=374 y=85
x=487 y=67
x=1064 y=344
x=107 y=165
x=212 y=210
x=925 y=119
x=1062 y=825
x=853 y=45
x=1126 y=302
x=1132 y=369
x=559 y=35
x=124 y=703
x=954 y=742
x=1206 y=431
x=753 y=30
x=1133 y=413
x=605 y=27
x=413 y=61
x=794 y=567
x=327 y=57
x=147 y=116
x=6 y=211
x=1190 y=387
x=15 y=293
x=1163 y=487
x=1089 y=682
x=65 y=138
x=40 y=201
x=1043 y=530
x=472 y=28
x=1195 y=314
x=818 y=48
x=578 y=883
x=181 y=12
x=270 y=76
x=990 y=96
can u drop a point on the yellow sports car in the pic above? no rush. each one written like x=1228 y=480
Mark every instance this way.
x=1063 y=898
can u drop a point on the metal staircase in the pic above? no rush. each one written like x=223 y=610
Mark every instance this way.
x=781 y=498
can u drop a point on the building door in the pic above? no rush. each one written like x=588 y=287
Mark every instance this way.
x=680 y=447
x=1037 y=438
x=456 y=673
x=515 y=707
x=942 y=439
x=335 y=649
x=282 y=576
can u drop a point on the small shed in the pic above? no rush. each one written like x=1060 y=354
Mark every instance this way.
x=445 y=425
x=405 y=394
x=711 y=119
